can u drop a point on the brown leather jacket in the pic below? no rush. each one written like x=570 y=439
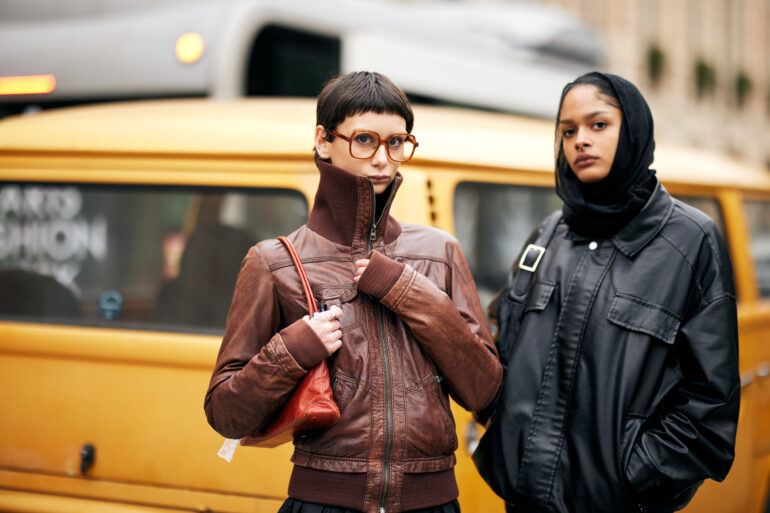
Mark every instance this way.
x=412 y=332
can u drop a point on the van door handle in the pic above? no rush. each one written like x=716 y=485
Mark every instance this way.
x=87 y=457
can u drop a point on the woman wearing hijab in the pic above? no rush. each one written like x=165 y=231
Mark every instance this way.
x=621 y=391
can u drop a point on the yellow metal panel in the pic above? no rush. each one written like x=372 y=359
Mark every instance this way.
x=20 y=502
x=21 y=493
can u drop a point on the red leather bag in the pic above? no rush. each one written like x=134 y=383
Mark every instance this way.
x=312 y=405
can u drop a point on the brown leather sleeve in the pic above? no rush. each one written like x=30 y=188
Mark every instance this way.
x=255 y=372
x=452 y=330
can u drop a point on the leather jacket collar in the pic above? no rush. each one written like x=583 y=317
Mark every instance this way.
x=646 y=224
x=344 y=208
x=643 y=227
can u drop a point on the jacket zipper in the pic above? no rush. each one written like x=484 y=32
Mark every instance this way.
x=386 y=368
x=388 y=414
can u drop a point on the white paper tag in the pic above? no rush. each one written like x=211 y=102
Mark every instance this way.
x=228 y=449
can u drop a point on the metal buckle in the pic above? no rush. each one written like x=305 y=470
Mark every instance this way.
x=531 y=268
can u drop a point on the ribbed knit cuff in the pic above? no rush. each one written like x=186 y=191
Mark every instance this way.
x=380 y=275
x=303 y=344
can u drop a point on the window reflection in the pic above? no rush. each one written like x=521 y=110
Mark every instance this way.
x=758 y=215
x=492 y=222
x=142 y=257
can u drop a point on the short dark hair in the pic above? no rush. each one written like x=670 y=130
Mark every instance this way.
x=359 y=92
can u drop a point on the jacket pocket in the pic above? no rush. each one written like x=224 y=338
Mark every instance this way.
x=430 y=427
x=636 y=314
x=510 y=315
x=631 y=428
x=341 y=296
x=343 y=389
x=539 y=296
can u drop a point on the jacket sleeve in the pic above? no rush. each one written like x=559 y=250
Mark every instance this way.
x=451 y=328
x=693 y=436
x=256 y=369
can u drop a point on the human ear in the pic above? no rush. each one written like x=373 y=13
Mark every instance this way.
x=321 y=143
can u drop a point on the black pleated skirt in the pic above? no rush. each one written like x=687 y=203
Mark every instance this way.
x=297 y=506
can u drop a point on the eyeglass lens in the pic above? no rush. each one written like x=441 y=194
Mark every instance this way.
x=364 y=144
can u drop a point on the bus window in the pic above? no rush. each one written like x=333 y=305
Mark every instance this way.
x=710 y=207
x=286 y=62
x=130 y=256
x=492 y=222
x=758 y=215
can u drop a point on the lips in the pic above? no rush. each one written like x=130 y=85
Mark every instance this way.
x=379 y=178
x=585 y=160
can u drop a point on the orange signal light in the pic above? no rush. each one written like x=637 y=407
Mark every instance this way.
x=27 y=84
x=189 y=47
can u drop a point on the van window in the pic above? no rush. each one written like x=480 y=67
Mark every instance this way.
x=131 y=256
x=710 y=207
x=492 y=222
x=758 y=215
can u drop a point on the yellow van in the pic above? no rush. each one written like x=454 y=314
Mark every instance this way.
x=122 y=227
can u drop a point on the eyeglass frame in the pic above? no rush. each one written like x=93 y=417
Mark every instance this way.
x=382 y=141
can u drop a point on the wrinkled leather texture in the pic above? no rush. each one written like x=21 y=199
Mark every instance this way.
x=622 y=390
x=433 y=340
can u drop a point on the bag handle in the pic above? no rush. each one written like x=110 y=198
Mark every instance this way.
x=312 y=307
x=228 y=447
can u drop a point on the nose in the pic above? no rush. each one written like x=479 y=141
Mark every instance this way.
x=581 y=140
x=380 y=157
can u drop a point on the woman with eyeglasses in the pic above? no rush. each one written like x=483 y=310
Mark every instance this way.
x=404 y=328
x=618 y=328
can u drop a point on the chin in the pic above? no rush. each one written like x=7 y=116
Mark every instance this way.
x=590 y=176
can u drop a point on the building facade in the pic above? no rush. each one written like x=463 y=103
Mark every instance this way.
x=703 y=65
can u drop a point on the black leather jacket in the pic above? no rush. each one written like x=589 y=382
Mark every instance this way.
x=622 y=391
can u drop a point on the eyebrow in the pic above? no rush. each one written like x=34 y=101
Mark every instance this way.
x=587 y=116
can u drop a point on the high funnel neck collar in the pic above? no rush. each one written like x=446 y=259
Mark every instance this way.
x=344 y=208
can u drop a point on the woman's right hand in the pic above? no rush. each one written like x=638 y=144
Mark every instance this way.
x=327 y=327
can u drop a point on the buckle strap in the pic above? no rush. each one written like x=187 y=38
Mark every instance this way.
x=531 y=257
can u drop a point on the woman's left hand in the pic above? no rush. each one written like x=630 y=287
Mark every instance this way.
x=360 y=268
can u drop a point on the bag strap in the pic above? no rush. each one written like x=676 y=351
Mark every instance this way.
x=530 y=258
x=311 y=304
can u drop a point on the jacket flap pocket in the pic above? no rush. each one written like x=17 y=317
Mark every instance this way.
x=340 y=296
x=328 y=293
x=636 y=314
x=540 y=295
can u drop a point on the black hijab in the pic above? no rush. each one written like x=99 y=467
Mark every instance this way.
x=601 y=209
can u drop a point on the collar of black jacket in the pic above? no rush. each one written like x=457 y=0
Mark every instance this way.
x=344 y=208
x=646 y=224
x=642 y=227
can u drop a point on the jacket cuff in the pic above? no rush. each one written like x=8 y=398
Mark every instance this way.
x=303 y=344
x=380 y=275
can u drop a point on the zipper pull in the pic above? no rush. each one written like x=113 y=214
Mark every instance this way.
x=373 y=232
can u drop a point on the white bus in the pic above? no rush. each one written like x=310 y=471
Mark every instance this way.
x=512 y=58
